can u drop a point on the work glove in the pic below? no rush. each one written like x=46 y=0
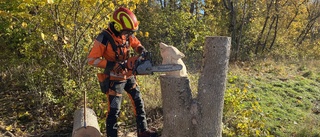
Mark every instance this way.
x=141 y=50
x=120 y=68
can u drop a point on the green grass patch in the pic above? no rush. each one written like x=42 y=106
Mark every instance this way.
x=287 y=93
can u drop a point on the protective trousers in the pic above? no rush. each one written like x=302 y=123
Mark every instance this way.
x=114 y=100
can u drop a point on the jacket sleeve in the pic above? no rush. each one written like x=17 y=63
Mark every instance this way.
x=135 y=44
x=95 y=57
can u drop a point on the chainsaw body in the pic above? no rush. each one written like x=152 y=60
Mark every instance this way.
x=142 y=65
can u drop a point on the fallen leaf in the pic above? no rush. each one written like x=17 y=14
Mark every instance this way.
x=42 y=36
x=8 y=128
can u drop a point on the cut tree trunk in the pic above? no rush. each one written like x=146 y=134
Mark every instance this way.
x=176 y=99
x=85 y=126
x=202 y=116
x=212 y=85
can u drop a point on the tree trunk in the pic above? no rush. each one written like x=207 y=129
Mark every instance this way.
x=176 y=101
x=212 y=84
x=85 y=124
x=201 y=117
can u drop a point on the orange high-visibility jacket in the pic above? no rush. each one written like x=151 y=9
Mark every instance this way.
x=101 y=54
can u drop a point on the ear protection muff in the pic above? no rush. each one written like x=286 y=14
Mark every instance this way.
x=117 y=26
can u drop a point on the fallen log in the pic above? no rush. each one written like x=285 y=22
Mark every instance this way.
x=85 y=123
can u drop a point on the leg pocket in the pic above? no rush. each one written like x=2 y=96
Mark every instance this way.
x=117 y=86
x=131 y=84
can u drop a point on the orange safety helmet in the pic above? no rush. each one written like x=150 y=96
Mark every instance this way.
x=124 y=20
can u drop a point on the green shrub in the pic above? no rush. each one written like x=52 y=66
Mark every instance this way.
x=242 y=114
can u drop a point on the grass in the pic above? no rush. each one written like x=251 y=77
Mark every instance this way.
x=286 y=91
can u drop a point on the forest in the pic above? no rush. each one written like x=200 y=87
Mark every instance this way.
x=45 y=44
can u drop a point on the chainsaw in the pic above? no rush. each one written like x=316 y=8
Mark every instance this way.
x=138 y=65
x=142 y=65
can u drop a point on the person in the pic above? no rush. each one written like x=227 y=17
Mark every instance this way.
x=110 y=51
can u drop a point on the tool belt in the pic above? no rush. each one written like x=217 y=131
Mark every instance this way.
x=108 y=75
x=104 y=78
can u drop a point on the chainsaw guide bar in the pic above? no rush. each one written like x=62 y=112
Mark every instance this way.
x=146 y=68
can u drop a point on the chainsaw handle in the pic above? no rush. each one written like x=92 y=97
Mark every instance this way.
x=135 y=61
x=146 y=55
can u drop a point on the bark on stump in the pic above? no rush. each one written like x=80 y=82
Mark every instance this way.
x=88 y=127
x=202 y=116
x=176 y=99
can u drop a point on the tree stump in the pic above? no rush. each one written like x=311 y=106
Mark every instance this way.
x=201 y=116
x=85 y=127
x=176 y=99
